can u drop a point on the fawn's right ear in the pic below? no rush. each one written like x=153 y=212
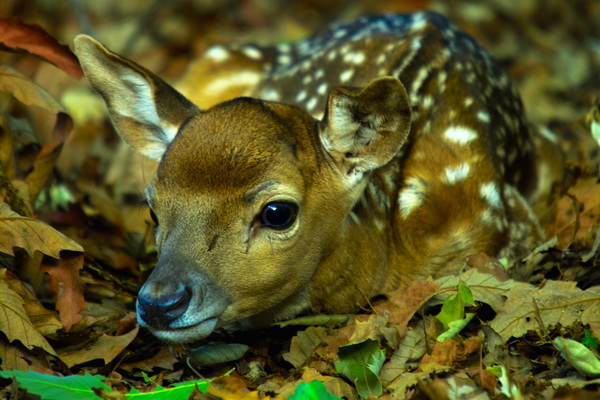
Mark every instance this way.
x=144 y=109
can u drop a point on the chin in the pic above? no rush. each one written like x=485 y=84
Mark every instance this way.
x=185 y=334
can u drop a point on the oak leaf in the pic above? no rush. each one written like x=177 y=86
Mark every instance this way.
x=31 y=235
x=14 y=321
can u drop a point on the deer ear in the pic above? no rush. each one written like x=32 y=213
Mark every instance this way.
x=364 y=129
x=146 y=112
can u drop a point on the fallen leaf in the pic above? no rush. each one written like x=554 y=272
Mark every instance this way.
x=579 y=356
x=485 y=288
x=27 y=92
x=33 y=39
x=216 y=353
x=14 y=321
x=106 y=348
x=303 y=345
x=164 y=359
x=41 y=318
x=334 y=385
x=45 y=160
x=31 y=235
x=557 y=302
x=402 y=305
x=64 y=282
x=361 y=363
x=410 y=349
x=375 y=327
x=12 y=357
x=448 y=352
x=232 y=388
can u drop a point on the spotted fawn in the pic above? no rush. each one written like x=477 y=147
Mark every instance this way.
x=312 y=176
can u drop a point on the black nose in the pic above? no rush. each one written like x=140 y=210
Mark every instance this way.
x=159 y=311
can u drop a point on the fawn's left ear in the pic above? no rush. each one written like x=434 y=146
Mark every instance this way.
x=144 y=109
x=364 y=129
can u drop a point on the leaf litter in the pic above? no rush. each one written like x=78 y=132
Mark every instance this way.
x=70 y=269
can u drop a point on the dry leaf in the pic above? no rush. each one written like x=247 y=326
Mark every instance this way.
x=106 y=348
x=31 y=235
x=26 y=91
x=33 y=39
x=232 y=388
x=557 y=302
x=41 y=318
x=403 y=304
x=46 y=158
x=64 y=282
x=303 y=345
x=14 y=321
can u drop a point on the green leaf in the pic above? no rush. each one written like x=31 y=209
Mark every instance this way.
x=79 y=387
x=361 y=363
x=312 y=391
x=589 y=340
x=50 y=387
x=455 y=327
x=453 y=308
x=580 y=357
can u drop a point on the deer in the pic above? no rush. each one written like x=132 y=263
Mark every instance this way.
x=312 y=176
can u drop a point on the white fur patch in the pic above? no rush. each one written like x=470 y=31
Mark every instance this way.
x=454 y=175
x=412 y=196
x=490 y=193
x=217 y=54
x=242 y=78
x=142 y=108
x=346 y=75
x=460 y=135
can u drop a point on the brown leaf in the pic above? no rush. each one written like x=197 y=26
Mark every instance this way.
x=27 y=92
x=106 y=348
x=41 y=318
x=31 y=235
x=33 y=39
x=403 y=304
x=578 y=212
x=375 y=327
x=12 y=357
x=164 y=359
x=303 y=345
x=555 y=303
x=232 y=388
x=448 y=352
x=64 y=282
x=46 y=158
x=14 y=321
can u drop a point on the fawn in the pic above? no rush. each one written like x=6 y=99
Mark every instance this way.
x=375 y=153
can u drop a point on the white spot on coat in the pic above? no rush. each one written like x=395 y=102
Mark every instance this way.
x=460 y=135
x=453 y=175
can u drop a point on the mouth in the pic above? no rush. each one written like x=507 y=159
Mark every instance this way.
x=187 y=333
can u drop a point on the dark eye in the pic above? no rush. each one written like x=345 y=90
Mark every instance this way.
x=153 y=216
x=278 y=215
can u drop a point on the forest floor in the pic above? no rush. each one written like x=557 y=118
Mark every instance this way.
x=75 y=246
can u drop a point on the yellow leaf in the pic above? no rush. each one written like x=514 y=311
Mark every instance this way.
x=26 y=91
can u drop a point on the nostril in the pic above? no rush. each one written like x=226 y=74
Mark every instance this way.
x=160 y=311
x=180 y=303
